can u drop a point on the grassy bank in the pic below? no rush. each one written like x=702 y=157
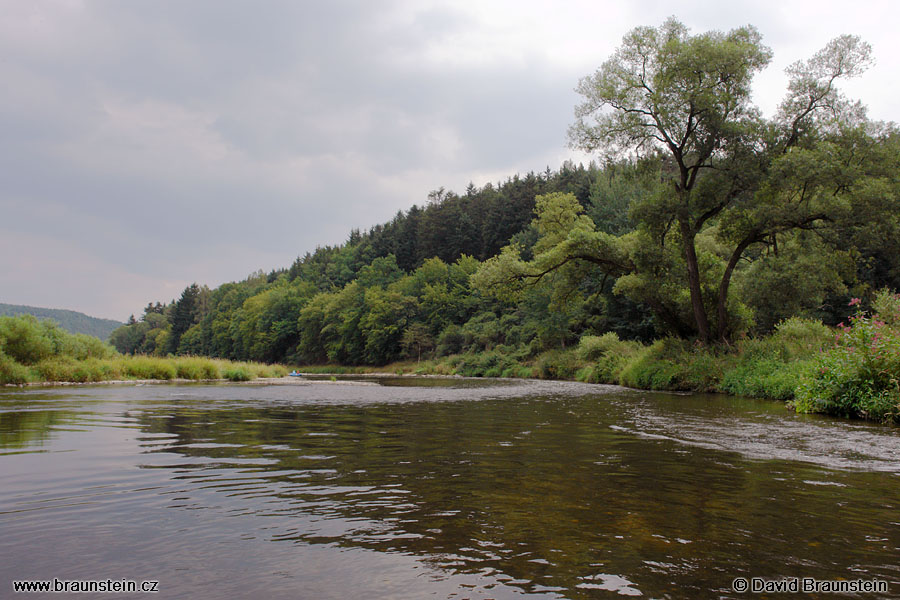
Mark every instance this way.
x=852 y=371
x=33 y=351
x=67 y=369
x=770 y=367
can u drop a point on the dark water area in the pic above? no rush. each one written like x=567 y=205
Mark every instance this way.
x=439 y=488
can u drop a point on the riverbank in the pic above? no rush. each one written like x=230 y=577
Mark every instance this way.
x=286 y=380
x=852 y=371
x=67 y=369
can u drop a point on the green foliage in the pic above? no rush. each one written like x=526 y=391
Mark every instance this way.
x=197 y=368
x=794 y=281
x=28 y=341
x=451 y=341
x=149 y=367
x=593 y=347
x=32 y=350
x=484 y=364
x=858 y=376
x=183 y=316
x=657 y=368
x=69 y=320
x=887 y=307
x=557 y=364
x=65 y=368
x=799 y=338
x=238 y=373
x=25 y=339
x=12 y=372
x=730 y=182
x=763 y=378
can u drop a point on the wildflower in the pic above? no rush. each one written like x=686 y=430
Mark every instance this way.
x=854 y=302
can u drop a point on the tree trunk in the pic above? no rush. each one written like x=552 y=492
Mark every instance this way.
x=693 y=268
x=722 y=301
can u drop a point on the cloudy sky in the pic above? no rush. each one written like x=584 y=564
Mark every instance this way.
x=149 y=144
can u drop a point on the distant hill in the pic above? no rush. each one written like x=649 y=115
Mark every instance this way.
x=74 y=322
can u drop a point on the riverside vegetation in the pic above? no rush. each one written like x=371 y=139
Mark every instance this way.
x=38 y=351
x=712 y=248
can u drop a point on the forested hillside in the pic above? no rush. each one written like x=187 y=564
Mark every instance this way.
x=705 y=221
x=393 y=290
x=70 y=320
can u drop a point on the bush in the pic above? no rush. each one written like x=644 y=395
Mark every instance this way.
x=763 y=378
x=653 y=368
x=13 y=372
x=557 y=364
x=25 y=339
x=858 y=376
x=450 y=341
x=586 y=375
x=887 y=306
x=800 y=338
x=81 y=347
x=483 y=364
x=594 y=347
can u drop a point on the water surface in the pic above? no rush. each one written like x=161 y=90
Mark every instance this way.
x=438 y=488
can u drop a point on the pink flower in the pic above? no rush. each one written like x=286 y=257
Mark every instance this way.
x=853 y=302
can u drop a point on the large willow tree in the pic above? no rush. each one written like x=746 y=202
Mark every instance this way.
x=728 y=176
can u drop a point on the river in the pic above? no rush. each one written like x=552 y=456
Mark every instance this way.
x=441 y=488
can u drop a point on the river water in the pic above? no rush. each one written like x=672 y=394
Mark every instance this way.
x=438 y=488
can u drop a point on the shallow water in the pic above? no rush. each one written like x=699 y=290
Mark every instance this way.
x=438 y=488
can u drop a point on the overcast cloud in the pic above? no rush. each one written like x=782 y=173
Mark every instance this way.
x=147 y=145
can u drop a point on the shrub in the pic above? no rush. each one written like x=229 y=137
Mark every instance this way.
x=763 y=378
x=483 y=364
x=80 y=346
x=586 y=375
x=609 y=354
x=800 y=338
x=25 y=340
x=594 y=347
x=557 y=364
x=858 y=376
x=450 y=341
x=56 y=369
x=66 y=368
x=654 y=368
x=256 y=369
x=13 y=372
x=887 y=306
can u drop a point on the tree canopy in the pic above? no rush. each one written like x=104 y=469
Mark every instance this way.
x=730 y=181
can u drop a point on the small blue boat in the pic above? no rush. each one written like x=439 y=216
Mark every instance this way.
x=295 y=374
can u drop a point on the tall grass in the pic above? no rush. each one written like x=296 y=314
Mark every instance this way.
x=32 y=350
x=196 y=368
